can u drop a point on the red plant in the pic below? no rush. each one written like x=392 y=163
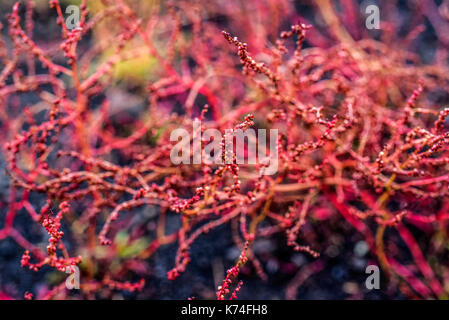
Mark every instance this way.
x=362 y=140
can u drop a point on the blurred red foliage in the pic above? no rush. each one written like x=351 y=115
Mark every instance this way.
x=360 y=136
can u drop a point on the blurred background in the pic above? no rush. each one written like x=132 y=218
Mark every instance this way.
x=340 y=271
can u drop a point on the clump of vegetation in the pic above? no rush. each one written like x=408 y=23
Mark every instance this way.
x=363 y=139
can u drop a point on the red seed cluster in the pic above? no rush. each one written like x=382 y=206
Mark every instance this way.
x=232 y=274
